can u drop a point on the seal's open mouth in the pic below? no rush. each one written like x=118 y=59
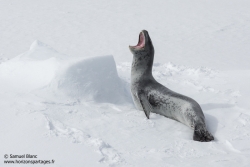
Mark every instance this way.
x=141 y=42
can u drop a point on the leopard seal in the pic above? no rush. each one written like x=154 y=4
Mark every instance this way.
x=151 y=96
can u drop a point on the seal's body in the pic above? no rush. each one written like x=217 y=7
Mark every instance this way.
x=151 y=96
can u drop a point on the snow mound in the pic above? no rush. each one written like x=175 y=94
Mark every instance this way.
x=30 y=70
x=40 y=51
x=92 y=79
x=43 y=67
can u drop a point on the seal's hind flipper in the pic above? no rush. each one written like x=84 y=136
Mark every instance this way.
x=202 y=135
x=146 y=106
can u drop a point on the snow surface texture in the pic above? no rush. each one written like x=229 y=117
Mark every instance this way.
x=196 y=32
x=85 y=102
x=56 y=105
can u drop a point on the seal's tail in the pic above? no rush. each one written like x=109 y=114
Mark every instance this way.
x=201 y=134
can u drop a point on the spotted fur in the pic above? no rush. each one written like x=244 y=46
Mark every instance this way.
x=151 y=96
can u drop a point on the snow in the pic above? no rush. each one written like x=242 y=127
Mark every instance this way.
x=62 y=99
x=93 y=79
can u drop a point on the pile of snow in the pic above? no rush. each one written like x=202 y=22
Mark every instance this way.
x=40 y=51
x=30 y=70
x=92 y=79
x=41 y=66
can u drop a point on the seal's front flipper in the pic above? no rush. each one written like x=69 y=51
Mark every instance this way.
x=146 y=106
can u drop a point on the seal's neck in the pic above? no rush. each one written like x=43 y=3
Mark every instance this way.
x=142 y=67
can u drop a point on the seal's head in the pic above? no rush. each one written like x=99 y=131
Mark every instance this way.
x=143 y=56
x=144 y=46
